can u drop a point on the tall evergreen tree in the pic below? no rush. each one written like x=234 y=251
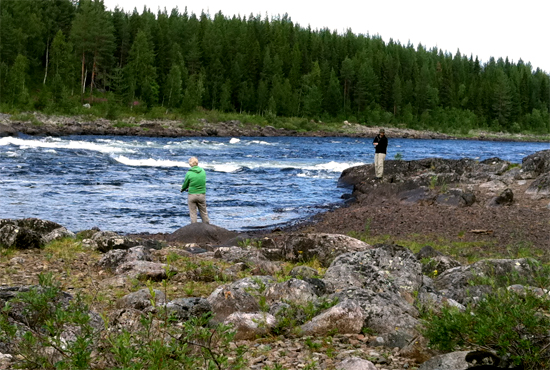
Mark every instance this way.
x=141 y=70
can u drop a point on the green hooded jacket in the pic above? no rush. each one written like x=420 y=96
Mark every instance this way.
x=195 y=181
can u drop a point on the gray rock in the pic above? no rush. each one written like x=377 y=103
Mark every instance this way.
x=229 y=299
x=456 y=198
x=255 y=286
x=108 y=240
x=456 y=283
x=448 y=361
x=386 y=313
x=116 y=257
x=503 y=199
x=300 y=272
x=250 y=325
x=186 y=308
x=141 y=299
x=144 y=270
x=25 y=233
x=438 y=264
x=201 y=234
x=436 y=300
x=540 y=188
x=293 y=290
x=323 y=247
x=387 y=267
x=252 y=257
x=355 y=363
x=58 y=233
x=346 y=317
x=537 y=163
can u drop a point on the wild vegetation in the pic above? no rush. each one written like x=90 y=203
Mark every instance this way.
x=62 y=334
x=56 y=55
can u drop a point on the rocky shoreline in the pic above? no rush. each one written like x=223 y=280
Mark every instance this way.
x=43 y=125
x=313 y=298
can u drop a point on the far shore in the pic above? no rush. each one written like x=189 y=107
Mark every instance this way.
x=38 y=124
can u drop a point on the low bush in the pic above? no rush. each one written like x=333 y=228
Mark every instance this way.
x=48 y=329
x=515 y=326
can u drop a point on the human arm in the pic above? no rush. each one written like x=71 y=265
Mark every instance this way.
x=185 y=184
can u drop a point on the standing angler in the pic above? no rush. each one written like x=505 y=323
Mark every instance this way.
x=380 y=145
x=195 y=183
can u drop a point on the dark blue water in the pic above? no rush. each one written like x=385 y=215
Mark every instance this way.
x=131 y=184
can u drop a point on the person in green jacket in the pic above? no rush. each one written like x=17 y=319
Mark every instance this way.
x=195 y=183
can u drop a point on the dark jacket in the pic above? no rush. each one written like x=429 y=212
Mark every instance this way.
x=382 y=144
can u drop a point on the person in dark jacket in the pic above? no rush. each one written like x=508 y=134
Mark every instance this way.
x=380 y=145
x=195 y=183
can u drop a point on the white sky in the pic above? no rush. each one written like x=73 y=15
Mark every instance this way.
x=484 y=28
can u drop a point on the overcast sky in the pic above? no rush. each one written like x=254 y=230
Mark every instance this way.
x=483 y=28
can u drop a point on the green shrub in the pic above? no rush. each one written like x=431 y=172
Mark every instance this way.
x=156 y=343
x=511 y=324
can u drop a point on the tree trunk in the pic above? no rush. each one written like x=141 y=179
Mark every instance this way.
x=93 y=77
x=82 y=80
x=47 y=61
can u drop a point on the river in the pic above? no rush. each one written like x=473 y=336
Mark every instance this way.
x=132 y=184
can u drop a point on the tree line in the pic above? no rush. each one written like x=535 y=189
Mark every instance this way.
x=57 y=54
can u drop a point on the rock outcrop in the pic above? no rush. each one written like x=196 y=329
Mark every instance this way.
x=30 y=233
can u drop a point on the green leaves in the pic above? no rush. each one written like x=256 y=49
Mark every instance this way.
x=506 y=322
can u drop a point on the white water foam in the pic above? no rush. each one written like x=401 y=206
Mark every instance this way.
x=55 y=143
x=150 y=162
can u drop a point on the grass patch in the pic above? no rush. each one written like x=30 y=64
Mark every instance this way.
x=463 y=251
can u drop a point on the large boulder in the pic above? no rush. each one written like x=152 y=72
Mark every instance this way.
x=346 y=317
x=387 y=267
x=116 y=257
x=293 y=290
x=464 y=283
x=30 y=233
x=434 y=262
x=505 y=198
x=447 y=361
x=201 y=233
x=186 y=308
x=250 y=325
x=104 y=241
x=381 y=281
x=228 y=299
x=355 y=363
x=142 y=299
x=253 y=258
x=145 y=270
x=540 y=187
x=324 y=247
x=537 y=163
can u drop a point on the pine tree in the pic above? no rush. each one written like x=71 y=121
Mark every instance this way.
x=333 y=97
x=502 y=103
x=141 y=70
x=17 y=85
x=92 y=34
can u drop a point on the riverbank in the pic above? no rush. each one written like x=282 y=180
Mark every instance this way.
x=38 y=124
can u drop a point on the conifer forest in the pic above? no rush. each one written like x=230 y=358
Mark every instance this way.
x=56 y=55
